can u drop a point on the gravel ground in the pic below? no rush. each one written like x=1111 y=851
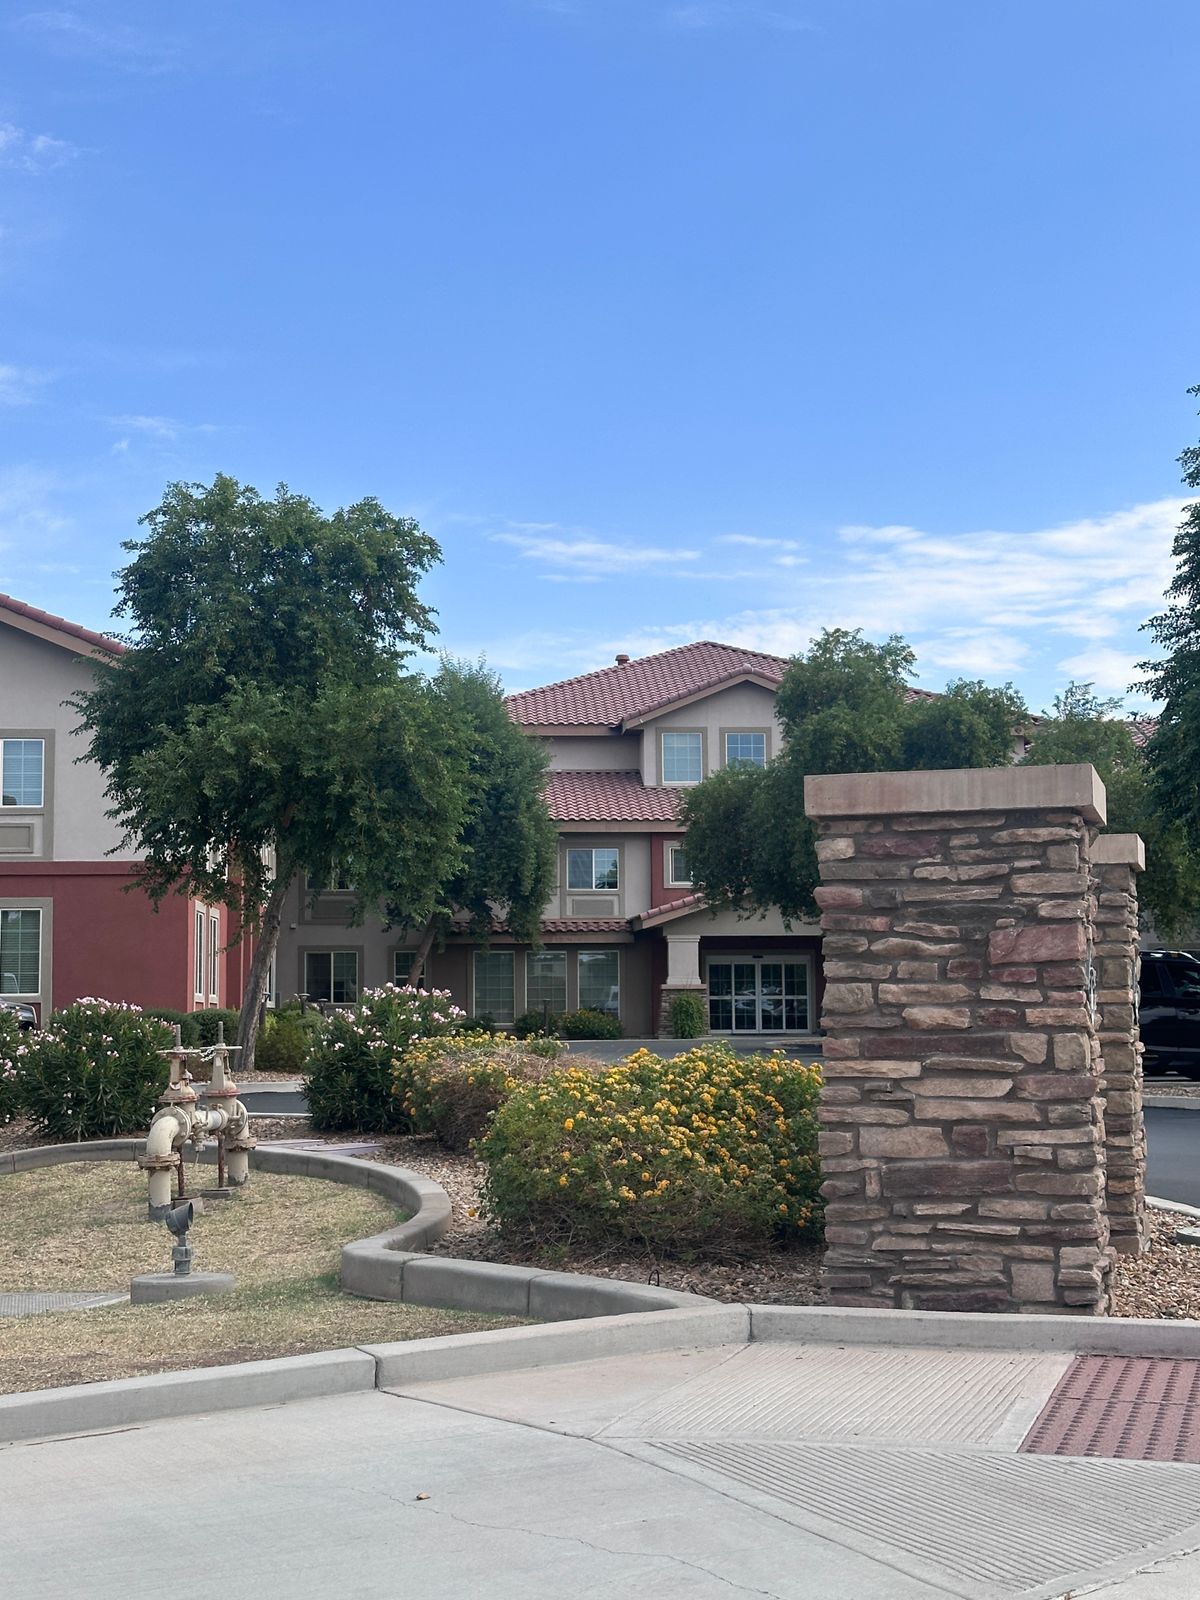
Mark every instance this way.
x=1172 y=1088
x=1165 y=1282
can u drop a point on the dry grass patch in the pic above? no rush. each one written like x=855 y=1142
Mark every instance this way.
x=83 y=1226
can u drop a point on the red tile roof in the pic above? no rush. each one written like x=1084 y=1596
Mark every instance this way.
x=672 y=908
x=586 y=925
x=613 y=695
x=1142 y=729
x=98 y=641
x=607 y=797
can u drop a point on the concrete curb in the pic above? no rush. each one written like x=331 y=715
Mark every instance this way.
x=1171 y=1102
x=1176 y=1206
x=93 y=1407
x=968 y=1330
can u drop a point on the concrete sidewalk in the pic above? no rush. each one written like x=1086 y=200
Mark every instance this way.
x=777 y=1468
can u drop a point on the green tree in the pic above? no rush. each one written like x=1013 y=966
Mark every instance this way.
x=1174 y=749
x=260 y=725
x=506 y=865
x=1083 y=727
x=844 y=708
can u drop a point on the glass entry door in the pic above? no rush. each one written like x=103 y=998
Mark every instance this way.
x=758 y=995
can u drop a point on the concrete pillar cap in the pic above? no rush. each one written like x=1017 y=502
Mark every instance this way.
x=1120 y=850
x=968 y=789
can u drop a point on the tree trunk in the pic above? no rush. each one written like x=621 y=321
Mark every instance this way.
x=264 y=953
x=422 y=951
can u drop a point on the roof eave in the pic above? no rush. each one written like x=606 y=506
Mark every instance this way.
x=761 y=679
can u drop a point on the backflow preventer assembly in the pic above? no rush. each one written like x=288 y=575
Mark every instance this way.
x=181 y=1117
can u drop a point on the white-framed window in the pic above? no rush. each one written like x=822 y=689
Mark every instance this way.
x=747 y=749
x=214 y=956
x=593 y=869
x=198 y=956
x=678 y=874
x=20 y=950
x=22 y=772
x=331 y=975
x=546 y=981
x=682 y=757
x=600 y=981
x=495 y=988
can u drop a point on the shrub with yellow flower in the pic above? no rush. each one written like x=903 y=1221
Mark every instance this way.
x=722 y=1149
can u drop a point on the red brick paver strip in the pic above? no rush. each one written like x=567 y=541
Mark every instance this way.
x=1129 y=1408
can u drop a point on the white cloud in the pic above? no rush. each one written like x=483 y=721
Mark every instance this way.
x=166 y=429
x=1110 y=670
x=34 y=153
x=19 y=385
x=569 y=554
x=29 y=522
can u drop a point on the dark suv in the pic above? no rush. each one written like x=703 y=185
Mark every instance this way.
x=1170 y=1011
x=25 y=1014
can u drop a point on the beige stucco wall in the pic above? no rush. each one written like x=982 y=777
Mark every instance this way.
x=617 y=752
x=633 y=895
x=727 y=924
x=35 y=678
x=745 y=706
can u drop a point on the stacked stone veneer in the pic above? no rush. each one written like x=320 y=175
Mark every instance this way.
x=962 y=1138
x=1116 y=861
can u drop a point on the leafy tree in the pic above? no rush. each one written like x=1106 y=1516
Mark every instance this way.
x=260 y=725
x=1083 y=727
x=508 y=844
x=1174 y=749
x=844 y=708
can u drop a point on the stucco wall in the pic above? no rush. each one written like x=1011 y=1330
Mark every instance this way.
x=618 y=752
x=35 y=678
x=745 y=706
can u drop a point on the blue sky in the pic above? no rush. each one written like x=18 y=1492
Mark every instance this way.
x=669 y=320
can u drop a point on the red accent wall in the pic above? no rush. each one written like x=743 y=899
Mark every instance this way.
x=660 y=894
x=110 y=942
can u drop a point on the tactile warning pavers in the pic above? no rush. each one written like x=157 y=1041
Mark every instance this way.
x=918 y=1396
x=1130 y=1408
x=993 y=1524
x=36 y=1303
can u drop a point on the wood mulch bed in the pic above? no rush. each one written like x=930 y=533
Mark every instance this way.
x=1165 y=1282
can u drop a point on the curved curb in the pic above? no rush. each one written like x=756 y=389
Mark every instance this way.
x=390 y=1266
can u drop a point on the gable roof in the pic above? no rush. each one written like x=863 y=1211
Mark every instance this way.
x=57 y=630
x=607 y=797
x=631 y=690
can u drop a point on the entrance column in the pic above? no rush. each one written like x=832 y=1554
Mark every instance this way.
x=1116 y=861
x=683 y=977
x=962 y=1135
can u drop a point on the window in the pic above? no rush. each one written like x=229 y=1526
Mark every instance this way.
x=758 y=996
x=677 y=867
x=214 y=956
x=745 y=749
x=332 y=976
x=198 y=956
x=337 y=884
x=600 y=981
x=20 y=951
x=546 y=981
x=593 y=869
x=22 y=765
x=682 y=758
x=495 y=985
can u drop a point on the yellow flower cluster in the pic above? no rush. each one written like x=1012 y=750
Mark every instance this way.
x=665 y=1151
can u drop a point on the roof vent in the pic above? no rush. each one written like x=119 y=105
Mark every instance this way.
x=622 y=661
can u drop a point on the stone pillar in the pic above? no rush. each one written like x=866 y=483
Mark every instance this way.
x=1117 y=858
x=683 y=977
x=962 y=1134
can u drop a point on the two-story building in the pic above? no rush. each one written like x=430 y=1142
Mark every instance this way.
x=71 y=922
x=624 y=930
